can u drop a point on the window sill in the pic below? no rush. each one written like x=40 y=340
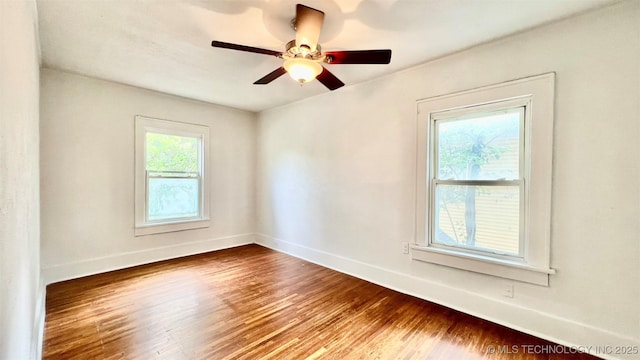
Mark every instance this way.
x=483 y=264
x=149 y=229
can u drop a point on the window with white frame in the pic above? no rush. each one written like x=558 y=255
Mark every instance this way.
x=484 y=179
x=171 y=193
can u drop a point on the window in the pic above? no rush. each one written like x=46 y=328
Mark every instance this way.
x=170 y=187
x=476 y=182
x=484 y=179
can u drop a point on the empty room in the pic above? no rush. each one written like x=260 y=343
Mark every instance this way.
x=319 y=179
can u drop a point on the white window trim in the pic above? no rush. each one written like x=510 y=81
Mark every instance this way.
x=537 y=93
x=143 y=125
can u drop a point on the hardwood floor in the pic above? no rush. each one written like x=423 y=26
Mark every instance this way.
x=254 y=303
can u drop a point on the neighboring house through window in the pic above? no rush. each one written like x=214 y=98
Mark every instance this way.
x=171 y=193
x=484 y=179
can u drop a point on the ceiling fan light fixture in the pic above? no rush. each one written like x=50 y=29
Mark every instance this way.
x=302 y=70
x=303 y=56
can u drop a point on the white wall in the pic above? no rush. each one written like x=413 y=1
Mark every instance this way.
x=87 y=152
x=21 y=291
x=337 y=184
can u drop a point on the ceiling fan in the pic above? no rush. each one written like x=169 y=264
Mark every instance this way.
x=303 y=56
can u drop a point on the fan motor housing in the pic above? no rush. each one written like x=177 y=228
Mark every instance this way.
x=304 y=51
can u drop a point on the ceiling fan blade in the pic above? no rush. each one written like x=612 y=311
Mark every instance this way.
x=329 y=80
x=358 y=57
x=308 y=25
x=271 y=76
x=226 y=45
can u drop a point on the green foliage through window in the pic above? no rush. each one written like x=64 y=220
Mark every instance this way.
x=171 y=153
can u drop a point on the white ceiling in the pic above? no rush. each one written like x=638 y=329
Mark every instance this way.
x=165 y=45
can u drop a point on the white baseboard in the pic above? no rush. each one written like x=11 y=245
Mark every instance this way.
x=93 y=266
x=38 y=322
x=543 y=325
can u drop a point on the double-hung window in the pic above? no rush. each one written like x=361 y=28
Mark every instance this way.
x=170 y=188
x=476 y=184
x=484 y=179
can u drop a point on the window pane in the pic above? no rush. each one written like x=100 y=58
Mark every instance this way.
x=484 y=147
x=171 y=153
x=173 y=198
x=485 y=218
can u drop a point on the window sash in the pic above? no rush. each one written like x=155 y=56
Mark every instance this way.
x=500 y=107
x=499 y=182
x=172 y=174
x=432 y=226
x=149 y=175
x=168 y=174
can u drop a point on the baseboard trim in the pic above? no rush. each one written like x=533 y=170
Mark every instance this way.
x=62 y=272
x=543 y=325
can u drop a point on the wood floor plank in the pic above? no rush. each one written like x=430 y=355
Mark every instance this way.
x=250 y=302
